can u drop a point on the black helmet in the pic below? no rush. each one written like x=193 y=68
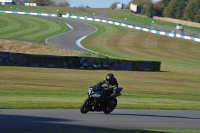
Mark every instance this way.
x=109 y=77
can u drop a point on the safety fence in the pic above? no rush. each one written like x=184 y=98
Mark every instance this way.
x=74 y=62
x=112 y=22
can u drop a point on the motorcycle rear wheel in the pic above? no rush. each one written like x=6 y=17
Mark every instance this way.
x=83 y=108
x=109 y=109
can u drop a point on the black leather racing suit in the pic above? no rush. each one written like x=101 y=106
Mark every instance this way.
x=112 y=87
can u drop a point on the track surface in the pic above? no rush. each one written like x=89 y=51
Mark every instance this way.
x=21 y=120
x=68 y=40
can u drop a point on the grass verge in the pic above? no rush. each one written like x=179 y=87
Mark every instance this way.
x=23 y=87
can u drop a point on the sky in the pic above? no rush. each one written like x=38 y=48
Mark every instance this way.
x=97 y=3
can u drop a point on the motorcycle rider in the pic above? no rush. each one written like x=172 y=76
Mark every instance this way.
x=111 y=83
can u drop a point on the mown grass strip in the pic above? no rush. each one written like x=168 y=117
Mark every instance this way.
x=131 y=44
x=23 y=87
x=29 y=28
x=48 y=9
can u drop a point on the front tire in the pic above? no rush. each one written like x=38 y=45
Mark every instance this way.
x=84 y=108
x=110 y=107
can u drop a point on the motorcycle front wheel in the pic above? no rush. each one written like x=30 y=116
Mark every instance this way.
x=83 y=108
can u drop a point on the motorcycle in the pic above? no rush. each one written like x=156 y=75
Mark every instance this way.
x=98 y=100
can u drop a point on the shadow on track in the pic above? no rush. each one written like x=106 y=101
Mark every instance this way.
x=22 y=124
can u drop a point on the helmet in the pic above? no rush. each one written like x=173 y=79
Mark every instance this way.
x=109 y=77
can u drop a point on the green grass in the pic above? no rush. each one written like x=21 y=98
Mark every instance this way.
x=119 y=15
x=48 y=9
x=29 y=28
x=23 y=87
x=131 y=44
x=141 y=20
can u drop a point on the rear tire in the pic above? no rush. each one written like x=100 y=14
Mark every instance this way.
x=110 y=108
x=83 y=108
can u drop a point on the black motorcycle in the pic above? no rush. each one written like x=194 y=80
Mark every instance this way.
x=98 y=100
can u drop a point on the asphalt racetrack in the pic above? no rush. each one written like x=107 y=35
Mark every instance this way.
x=69 y=39
x=25 y=120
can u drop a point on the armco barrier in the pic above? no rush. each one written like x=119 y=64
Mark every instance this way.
x=111 y=22
x=73 y=62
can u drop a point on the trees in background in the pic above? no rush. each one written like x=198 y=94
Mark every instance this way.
x=192 y=11
x=149 y=10
x=114 y=5
x=175 y=9
x=189 y=13
x=144 y=7
x=158 y=7
x=178 y=9
x=164 y=3
x=197 y=17
x=182 y=9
